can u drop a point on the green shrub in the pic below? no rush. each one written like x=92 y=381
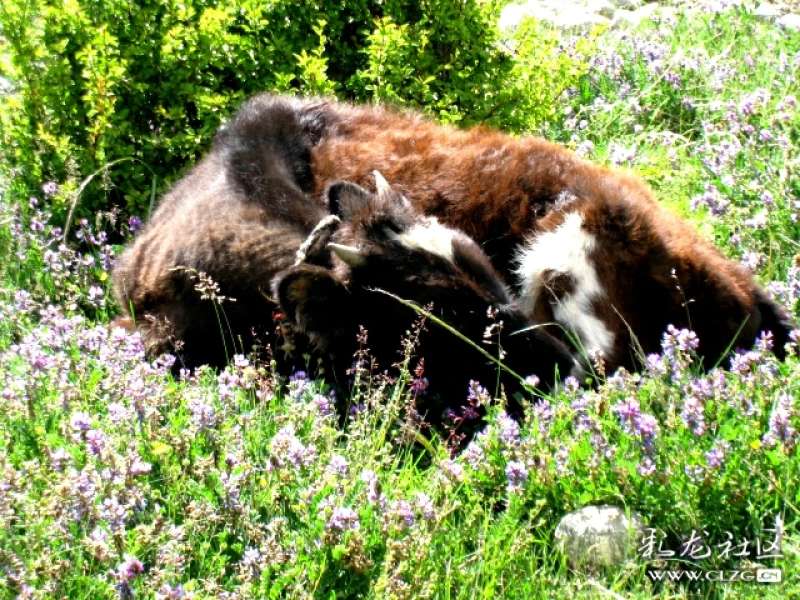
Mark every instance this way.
x=133 y=91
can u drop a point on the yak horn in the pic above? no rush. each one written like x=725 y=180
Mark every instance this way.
x=351 y=255
x=381 y=185
x=323 y=227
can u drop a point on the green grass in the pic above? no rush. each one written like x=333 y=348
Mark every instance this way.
x=241 y=485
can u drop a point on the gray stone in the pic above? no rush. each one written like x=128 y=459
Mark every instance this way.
x=596 y=537
x=627 y=4
x=790 y=21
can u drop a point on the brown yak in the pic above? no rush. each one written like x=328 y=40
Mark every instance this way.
x=586 y=246
x=242 y=219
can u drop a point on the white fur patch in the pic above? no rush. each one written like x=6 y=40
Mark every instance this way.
x=566 y=250
x=432 y=236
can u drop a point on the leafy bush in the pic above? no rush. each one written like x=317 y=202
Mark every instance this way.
x=133 y=92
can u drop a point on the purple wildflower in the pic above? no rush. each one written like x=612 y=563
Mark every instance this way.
x=251 y=559
x=781 y=429
x=453 y=469
x=473 y=453
x=324 y=404
x=478 y=395
x=95 y=441
x=135 y=224
x=715 y=457
x=647 y=467
x=673 y=79
x=167 y=592
x=288 y=449
x=693 y=414
x=139 y=467
x=647 y=427
x=543 y=414
x=404 y=513
x=695 y=473
x=516 y=474
x=343 y=519
x=627 y=411
x=204 y=414
x=81 y=421
x=128 y=570
x=298 y=384
x=419 y=385
x=583 y=421
x=425 y=506
x=509 y=428
x=118 y=413
x=339 y=465
x=655 y=364
x=357 y=409
x=59 y=458
x=49 y=188
x=369 y=477
x=711 y=198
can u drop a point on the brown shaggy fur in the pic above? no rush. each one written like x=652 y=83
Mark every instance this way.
x=502 y=190
x=241 y=215
x=328 y=304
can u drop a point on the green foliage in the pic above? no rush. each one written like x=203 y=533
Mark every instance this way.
x=233 y=483
x=150 y=82
x=452 y=64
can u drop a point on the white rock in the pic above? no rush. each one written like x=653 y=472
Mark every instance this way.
x=579 y=14
x=668 y=12
x=599 y=536
x=767 y=12
x=624 y=18
x=576 y=20
x=634 y=17
x=790 y=21
x=604 y=8
x=646 y=11
x=512 y=15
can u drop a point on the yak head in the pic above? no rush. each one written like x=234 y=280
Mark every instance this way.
x=389 y=259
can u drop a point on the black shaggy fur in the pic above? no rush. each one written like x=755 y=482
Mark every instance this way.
x=240 y=217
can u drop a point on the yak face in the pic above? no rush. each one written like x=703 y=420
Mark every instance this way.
x=384 y=251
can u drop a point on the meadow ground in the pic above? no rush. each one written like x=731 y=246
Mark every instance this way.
x=119 y=480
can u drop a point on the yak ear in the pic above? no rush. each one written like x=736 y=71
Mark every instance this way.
x=346 y=199
x=311 y=298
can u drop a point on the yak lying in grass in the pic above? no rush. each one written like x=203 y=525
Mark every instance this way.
x=584 y=245
x=238 y=219
x=385 y=245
